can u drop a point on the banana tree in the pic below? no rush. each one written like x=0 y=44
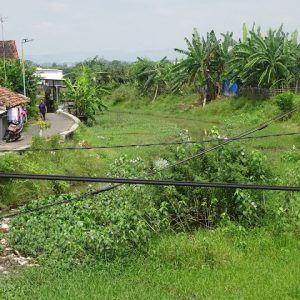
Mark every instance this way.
x=85 y=94
x=152 y=77
x=264 y=61
x=202 y=65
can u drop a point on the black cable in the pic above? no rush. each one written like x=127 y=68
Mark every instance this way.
x=149 y=182
x=137 y=182
x=66 y=201
x=110 y=187
x=238 y=137
x=150 y=144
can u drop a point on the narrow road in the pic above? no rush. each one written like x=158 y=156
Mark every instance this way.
x=59 y=123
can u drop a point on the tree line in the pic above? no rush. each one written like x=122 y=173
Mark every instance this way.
x=257 y=59
x=270 y=60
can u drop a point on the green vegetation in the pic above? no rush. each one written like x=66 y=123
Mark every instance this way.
x=117 y=223
x=16 y=192
x=151 y=78
x=285 y=101
x=15 y=79
x=228 y=263
x=266 y=61
x=165 y=242
x=85 y=94
x=147 y=242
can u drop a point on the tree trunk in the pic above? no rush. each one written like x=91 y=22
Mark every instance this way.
x=204 y=100
x=156 y=92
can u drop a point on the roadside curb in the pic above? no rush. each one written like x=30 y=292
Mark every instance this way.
x=68 y=133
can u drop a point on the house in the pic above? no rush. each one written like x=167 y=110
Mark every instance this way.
x=51 y=82
x=8 y=49
x=8 y=99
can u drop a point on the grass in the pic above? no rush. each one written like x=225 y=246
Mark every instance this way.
x=221 y=264
x=139 y=121
x=226 y=263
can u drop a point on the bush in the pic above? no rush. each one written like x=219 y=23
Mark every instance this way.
x=285 y=102
x=194 y=207
x=121 y=222
x=123 y=94
x=108 y=225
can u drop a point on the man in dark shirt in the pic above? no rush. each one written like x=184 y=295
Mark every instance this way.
x=43 y=109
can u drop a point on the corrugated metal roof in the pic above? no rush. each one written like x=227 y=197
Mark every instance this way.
x=11 y=99
x=50 y=74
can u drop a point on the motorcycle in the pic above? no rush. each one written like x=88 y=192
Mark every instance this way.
x=13 y=132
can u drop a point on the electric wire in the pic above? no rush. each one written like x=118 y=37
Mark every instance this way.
x=138 y=181
x=150 y=144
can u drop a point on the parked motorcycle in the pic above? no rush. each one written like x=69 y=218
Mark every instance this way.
x=13 y=132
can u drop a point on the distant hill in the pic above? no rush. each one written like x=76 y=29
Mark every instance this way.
x=129 y=56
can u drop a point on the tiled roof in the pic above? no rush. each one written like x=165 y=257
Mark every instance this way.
x=11 y=99
x=10 y=50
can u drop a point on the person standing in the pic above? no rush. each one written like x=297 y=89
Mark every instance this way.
x=43 y=109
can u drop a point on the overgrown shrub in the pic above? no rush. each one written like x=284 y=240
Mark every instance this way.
x=193 y=207
x=285 y=102
x=124 y=93
x=109 y=225
x=123 y=220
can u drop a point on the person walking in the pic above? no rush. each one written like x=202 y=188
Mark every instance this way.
x=43 y=109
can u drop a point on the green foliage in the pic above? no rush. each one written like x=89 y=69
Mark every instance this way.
x=151 y=77
x=285 y=101
x=43 y=124
x=228 y=263
x=18 y=192
x=109 y=225
x=123 y=94
x=86 y=94
x=209 y=206
x=287 y=213
x=265 y=61
x=204 y=64
x=15 y=79
x=110 y=73
x=122 y=221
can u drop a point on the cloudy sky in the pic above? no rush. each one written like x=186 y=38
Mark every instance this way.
x=68 y=30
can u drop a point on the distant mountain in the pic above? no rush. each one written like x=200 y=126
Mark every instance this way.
x=129 y=56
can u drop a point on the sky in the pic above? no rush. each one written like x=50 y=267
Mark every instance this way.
x=72 y=30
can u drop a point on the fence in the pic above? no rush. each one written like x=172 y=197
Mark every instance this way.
x=255 y=92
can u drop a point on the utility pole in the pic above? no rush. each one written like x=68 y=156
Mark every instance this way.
x=2 y=20
x=24 y=41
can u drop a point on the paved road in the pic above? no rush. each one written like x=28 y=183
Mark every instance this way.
x=59 y=123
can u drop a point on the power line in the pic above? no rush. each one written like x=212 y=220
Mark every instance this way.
x=148 y=182
x=136 y=182
x=150 y=144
